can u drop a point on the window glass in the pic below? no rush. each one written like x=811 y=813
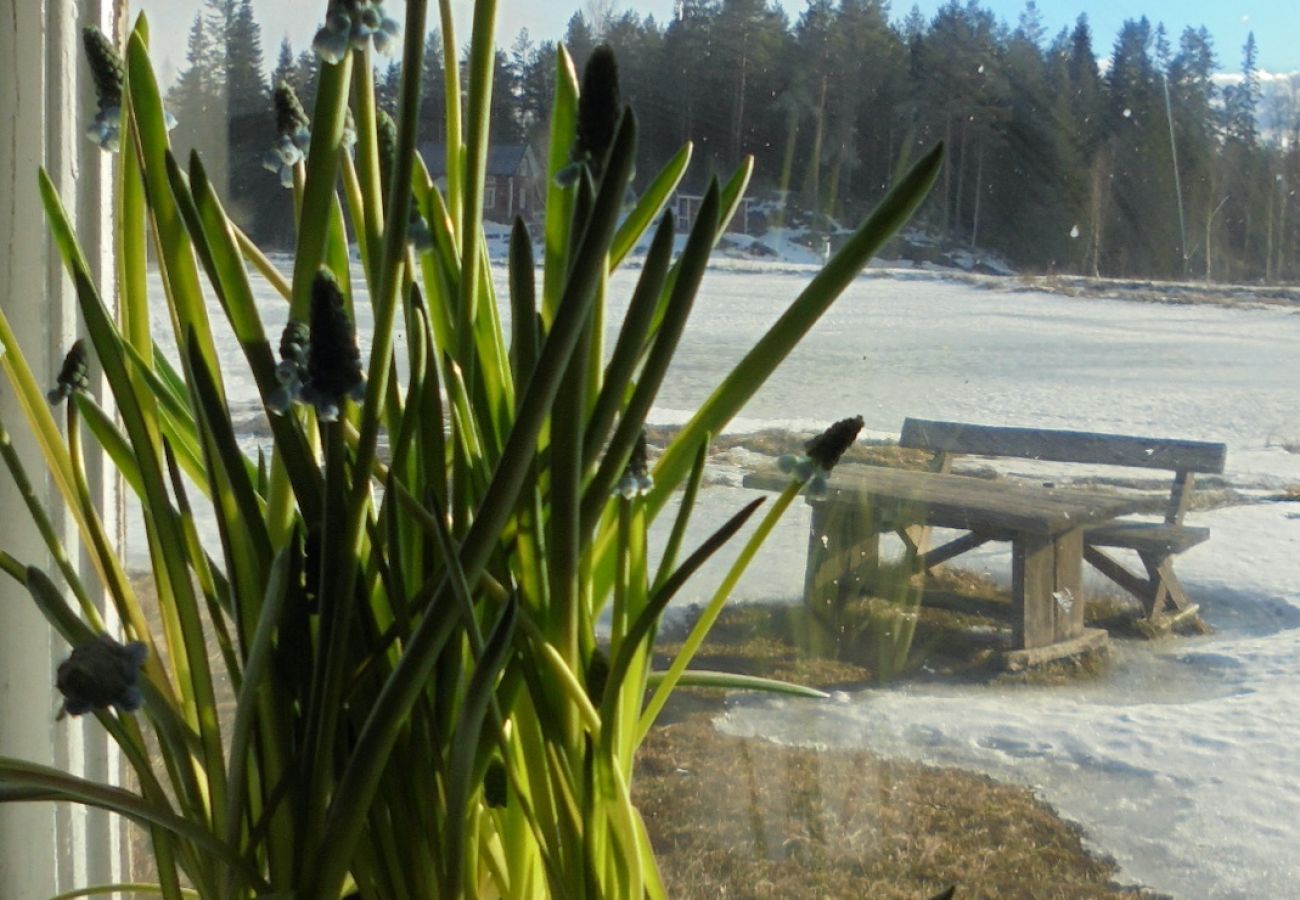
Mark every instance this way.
x=1108 y=261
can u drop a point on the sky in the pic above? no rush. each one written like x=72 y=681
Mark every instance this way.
x=1276 y=23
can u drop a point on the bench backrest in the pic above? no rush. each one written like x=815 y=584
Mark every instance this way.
x=1184 y=458
x=1063 y=446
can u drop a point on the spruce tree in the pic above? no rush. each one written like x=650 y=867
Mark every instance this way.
x=250 y=126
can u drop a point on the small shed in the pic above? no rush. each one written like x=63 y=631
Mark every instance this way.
x=514 y=184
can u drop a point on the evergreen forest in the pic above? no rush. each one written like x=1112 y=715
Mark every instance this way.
x=1133 y=159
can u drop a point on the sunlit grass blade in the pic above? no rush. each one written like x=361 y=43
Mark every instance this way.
x=318 y=198
x=668 y=559
x=693 y=261
x=235 y=501
x=700 y=630
x=648 y=619
x=45 y=526
x=651 y=202
x=257 y=669
x=559 y=198
x=631 y=343
x=122 y=887
x=176 y=262
x=704 y=678
x=465 y=763
x=19 y=774
x=752 y=371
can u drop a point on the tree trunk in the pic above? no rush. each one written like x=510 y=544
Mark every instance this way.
x=815 y=166
x=961 y=178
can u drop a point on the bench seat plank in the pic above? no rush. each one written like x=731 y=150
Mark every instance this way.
x=1152 y=537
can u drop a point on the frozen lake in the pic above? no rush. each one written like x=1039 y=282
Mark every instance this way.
x=1182 y=762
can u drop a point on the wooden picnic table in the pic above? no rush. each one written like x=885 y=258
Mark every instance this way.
x=1044 y=525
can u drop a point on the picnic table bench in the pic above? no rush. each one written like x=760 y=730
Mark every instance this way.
x=1164 y=601
x=1043 y=525
x=1052 y=530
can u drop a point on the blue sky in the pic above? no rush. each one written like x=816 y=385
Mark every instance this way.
x=1276 y=23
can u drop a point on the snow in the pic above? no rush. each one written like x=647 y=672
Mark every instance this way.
x=1182 y=761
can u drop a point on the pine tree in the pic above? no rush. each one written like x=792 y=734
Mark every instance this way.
x=198 y=102
x=433 y=97
x=1243 y=242
x=503 y=124
x=250 y=124
x=536 y=84
x=283 y=65
x=1241 y=101
x=579 y=39
x=306 y=69
x=1193 y=102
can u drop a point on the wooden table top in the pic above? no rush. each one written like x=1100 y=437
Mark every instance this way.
x=962 y=501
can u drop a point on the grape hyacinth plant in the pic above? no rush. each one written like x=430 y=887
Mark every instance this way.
x=403 y=591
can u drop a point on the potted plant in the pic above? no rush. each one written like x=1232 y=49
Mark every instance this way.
x=406 y=592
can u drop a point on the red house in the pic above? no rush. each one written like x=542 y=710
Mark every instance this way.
x=515 y=180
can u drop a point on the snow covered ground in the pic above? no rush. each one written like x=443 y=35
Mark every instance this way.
x=1183 y=762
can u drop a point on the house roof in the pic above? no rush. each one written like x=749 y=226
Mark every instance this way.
x=503 y=159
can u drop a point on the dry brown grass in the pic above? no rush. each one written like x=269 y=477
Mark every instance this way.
x=734 y=817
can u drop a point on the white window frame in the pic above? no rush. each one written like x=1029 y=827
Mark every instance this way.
x=46 y=97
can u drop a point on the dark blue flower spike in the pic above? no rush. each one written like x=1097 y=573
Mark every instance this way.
x=99 y=674
x=108 y=72
x=333 y=361
x=636 y=480
x=353 y=25
x=821 y=454
x=600 y=106
x=291 y=371
x=73 y=376
x=293 y=135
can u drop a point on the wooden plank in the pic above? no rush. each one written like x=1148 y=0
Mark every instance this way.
x=1064 y=446
x=1167 y=588
x=1180 y=496
x=843 y=554
x=956 y=547
x=1147 y=537
x=1033 y=576
x=972 y=504
x=1116 y=572
x=1092 y=640
x=1067 y=593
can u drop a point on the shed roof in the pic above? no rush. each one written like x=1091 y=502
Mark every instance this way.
x=503 y=159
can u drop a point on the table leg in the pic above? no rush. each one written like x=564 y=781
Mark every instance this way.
x=1067 y=595
x=1046 y=574
x=843 y=554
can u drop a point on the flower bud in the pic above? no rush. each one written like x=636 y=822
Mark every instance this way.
x=290 y=117
x=101 y=673
x=600 y=107
x=73 y=376
x=826 y=448
x=106 y=67
x=333 y=361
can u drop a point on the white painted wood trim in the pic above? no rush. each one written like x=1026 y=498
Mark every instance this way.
x=45 y=93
